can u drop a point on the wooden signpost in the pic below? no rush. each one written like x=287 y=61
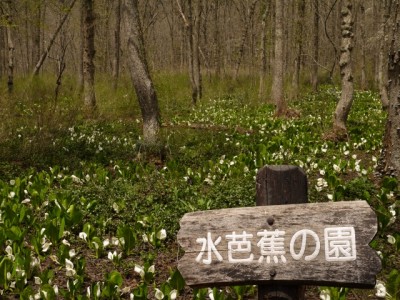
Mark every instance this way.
x=281 y=248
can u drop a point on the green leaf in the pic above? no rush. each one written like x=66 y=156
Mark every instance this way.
x=177 y=282
x=115 y=278
x=61 y=230
x=393 y=284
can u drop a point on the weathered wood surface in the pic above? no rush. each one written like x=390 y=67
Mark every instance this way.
x=359 y=272
x=281 y=185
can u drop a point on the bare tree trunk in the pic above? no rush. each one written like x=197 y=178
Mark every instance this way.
x=363 y=47
x=52 y=39
x=263 y=56
x=314 y=72
x=192 y=28
x=10 y=44
x=36 y=34
x=79 y=77
x=247 y=20
x=390 y=157
x=217 y=45
x=277 y=83
x=383 y=60
x=196 y=51
x=376 y=14
x=88 y=56
x=301 y=6
x=140 y=75
x=346 y=99
x=117 y=43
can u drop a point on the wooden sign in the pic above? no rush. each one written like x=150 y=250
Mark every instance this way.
x=313 y=244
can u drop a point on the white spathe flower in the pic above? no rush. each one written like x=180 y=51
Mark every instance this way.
x=392 y=210
x=380 y=290
x=151 y=269
x=173 y=294
x=11 y=195
x=391 y=239
x=9 y=252
x=55 y=288
x=46 y=246
x=38 y=281
x=25 y=201
x=70 y=268
x=106 y=242
x=65 y=242
x=98 y=289
x=96 y=245
x=145 y=238
x=115 y=207
x=330 y=196
x=158 y=294
x=325 y=295
x=75 y=179
x=210 y=294
x=35 y=262
x=72 y=253
x=88 y=292
x=83 y=236
x=12 y=182
x=162 y=234
x=115 y=241
x=139 y=269
x=111 y=255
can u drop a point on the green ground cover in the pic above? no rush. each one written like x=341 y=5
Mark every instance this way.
x=86 y=214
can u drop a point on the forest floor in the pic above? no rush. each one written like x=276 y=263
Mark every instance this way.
x=86 y=214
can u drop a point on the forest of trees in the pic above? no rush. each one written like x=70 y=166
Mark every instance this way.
x=296 y=43
x=223 y=38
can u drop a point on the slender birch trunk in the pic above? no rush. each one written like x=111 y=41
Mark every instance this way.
x=277 y=83
x=117 y=43
x=11 y=49
x=140 y=75
x=346 y=99
x=88 y=56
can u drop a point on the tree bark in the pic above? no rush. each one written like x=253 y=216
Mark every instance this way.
x=191 y=24
x=140 y=75
x=346 y=99
x=248 y=14
x=263 y=55
x=383 y=60
x=301 y=6
x=88 y=56
x=217 y=44
x=10 y=45
x=52 y=40
x=390 y=157
x=117 y=43
x=314 y=71
x=36 y=33
x=277 y=83
x=363 y=82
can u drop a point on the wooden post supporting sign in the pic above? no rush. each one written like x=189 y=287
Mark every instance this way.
x=279 y=247
x=278 y=185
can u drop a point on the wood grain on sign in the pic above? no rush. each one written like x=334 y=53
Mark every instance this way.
x=316 y=217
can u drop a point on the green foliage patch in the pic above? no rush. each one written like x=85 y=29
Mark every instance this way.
x=81 y=208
